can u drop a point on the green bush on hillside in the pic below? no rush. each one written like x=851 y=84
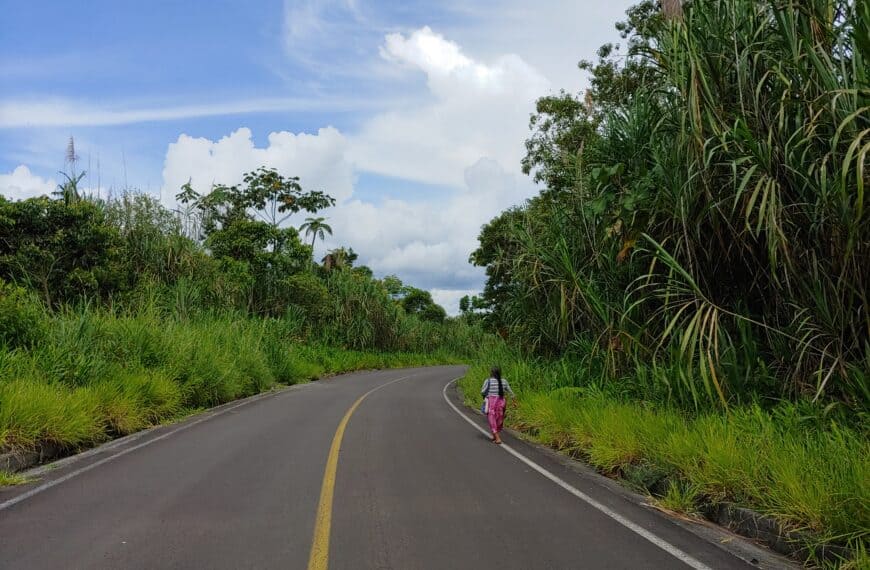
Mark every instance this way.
x=310 y=294
x=22 y=318
x=96 y=375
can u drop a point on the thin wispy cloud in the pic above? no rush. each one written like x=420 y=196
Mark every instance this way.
x=307 y=19
x=333 y=40
x=65 y=113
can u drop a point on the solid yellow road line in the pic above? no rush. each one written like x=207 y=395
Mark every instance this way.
x=319 y=557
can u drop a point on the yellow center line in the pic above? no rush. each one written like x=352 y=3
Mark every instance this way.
x=319 y=557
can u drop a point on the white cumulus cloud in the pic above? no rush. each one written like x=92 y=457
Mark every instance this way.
x=21 y=183
x=473 y=110
x=430 y=52
x=427 y=243
x=317 y=159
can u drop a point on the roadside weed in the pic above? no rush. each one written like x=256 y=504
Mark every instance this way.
x=11 y=479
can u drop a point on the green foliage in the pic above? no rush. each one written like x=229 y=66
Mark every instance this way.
x=361 y=316
x=152 y=242
x=560 y=124
x=34 y=411
x=419 y=302
x=64 y=251
x=316 y=228
x=392 y=285
x=309 y=294
x=242 y=229
x=68 y=191
x=339 y=258
x=267 y=196
x=703 y=220
x=9 y=479
x=680 y=497
x=225 y=250
x=22 y=318
x=96 y=374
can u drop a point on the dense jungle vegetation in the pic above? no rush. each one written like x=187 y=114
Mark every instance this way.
x=688 y=294
x=118 y=314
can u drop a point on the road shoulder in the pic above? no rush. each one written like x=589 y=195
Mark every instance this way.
x=625 y=501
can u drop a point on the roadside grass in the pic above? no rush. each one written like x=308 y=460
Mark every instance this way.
x=96 y=375
x=860 y=560
x=11 y=479
x=680 y=497
x=809 y=476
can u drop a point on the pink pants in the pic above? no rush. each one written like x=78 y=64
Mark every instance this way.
x=495 y=415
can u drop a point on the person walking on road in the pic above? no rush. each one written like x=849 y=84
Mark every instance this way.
x=493 y=391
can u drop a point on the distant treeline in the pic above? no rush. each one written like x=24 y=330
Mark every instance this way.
x=228 y=250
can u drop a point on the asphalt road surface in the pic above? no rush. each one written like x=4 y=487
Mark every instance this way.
x=314 y=477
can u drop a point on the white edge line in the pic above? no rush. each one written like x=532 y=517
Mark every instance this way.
x=634 y=527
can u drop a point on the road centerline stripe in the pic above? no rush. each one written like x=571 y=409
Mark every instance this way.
x=630 y=525
x=318 y=559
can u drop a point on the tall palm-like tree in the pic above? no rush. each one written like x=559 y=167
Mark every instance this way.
x=315 y=227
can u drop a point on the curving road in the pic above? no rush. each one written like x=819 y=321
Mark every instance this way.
x=414 y=485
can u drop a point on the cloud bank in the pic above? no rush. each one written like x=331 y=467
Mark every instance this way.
x=472 y=110
x=318 y=159
x=21 y=183
x=465 y=135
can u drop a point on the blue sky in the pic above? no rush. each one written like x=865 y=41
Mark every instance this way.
x=412 y=114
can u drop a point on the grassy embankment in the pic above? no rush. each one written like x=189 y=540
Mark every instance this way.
x=96 y=375
x=807 y=473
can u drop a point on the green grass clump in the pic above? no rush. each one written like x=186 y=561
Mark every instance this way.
x=10 y=479
x=680 y=497
x=22 y=319
x=133 y=400
x=33 y=412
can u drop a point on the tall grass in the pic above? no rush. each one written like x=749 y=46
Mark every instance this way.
x=710 y=220
x=361 y=315
x=97 y=374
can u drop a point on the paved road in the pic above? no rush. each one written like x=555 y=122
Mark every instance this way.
x=416 y=487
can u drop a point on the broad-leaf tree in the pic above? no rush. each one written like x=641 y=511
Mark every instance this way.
x=62 y=249
x=245 y=224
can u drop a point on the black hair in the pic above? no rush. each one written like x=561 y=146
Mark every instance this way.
x=495 y=372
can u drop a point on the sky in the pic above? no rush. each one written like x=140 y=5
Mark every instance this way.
x=413 y=115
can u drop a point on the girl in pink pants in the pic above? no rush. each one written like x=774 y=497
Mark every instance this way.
x=493 y=390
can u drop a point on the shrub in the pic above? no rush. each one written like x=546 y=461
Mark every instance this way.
x=309 y=294
x=22 y=318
